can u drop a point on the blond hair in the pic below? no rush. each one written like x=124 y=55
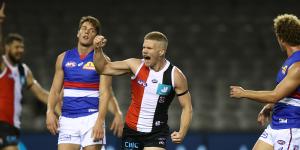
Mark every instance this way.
x=157 y=36
x=287 y=29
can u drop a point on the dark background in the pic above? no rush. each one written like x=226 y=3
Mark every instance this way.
x=216 y=43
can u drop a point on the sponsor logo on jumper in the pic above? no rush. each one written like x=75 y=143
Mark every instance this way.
x=131 y=145
x=163 y=89
x=141 y=82
x=70 y=64
x=283 y=120
x=154 y=81
x=89 y=66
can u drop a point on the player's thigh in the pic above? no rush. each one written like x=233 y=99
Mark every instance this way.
x=67 y=146
x=12 y=147
x=153 y=148
x=261 y=145
x=93 y=147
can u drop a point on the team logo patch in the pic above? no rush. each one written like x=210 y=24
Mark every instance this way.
x=80 y=64
x=70 y=64
x=281 y=142
x=142 y=82
x=163 y=89
x=89 y=66
x=283 y=69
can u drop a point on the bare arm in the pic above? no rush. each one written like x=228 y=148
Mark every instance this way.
x=283 y=89
x=117 y=124
x=36 y=88
x=54 y=96
x=105 y=96
x=185 y=101
x=105 y=67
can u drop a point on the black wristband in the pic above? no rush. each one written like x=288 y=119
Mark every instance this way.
x=183 y=93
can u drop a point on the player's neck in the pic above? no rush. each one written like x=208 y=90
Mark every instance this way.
x=10 y=61
x=292 y=49
x=84 y=49
x=160 y=65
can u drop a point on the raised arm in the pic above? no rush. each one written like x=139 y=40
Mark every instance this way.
x=287 y=86
x=184 y=97
x=54 y=95
x=105 y=67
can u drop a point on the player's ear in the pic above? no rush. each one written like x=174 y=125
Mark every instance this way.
x=78 y=34
x=162 y=52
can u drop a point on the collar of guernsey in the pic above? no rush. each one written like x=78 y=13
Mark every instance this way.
x=81 y=85
x=286 y=111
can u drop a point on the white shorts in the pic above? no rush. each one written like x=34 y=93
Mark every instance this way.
x=78 y=130
x=282 y=138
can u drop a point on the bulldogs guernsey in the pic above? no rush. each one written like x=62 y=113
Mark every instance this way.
x=12 y=81
x=152 y=94
x=286 y=112
x=81 y=85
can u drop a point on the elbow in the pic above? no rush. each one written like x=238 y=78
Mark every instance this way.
x=274 y=98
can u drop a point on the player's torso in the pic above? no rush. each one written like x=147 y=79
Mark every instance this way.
x=11 y=94
x=151 y=93
x=81 y=85
x=286 y=111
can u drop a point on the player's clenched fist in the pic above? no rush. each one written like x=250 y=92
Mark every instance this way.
x=236 y=91
x=99 y=41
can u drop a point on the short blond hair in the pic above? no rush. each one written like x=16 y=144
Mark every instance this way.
x=157 y=36
x=287 y=29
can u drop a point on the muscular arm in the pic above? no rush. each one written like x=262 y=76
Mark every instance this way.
x=55 y=96
x=185 y=101
x=36 y=89
x=105 y=67
x=57 y=84
x=287 y=86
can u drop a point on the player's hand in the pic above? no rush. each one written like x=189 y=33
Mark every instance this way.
x=98 y=131
x=264 y=115
x=52 y=122
x=177 y=137
x=117 y=125
x=236 y=91
x=99 y=42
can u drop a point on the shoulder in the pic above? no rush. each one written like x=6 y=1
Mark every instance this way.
x=295 y=69
x=178 y=73
x=61 y=56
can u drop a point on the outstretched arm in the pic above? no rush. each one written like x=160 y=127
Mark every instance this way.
x=181 y=88
x=286 y=87
x=54 y=96
x=105 y=67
